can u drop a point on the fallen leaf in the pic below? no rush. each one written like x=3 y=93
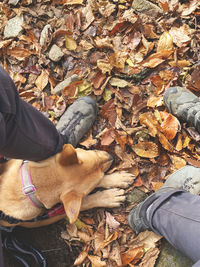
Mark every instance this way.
x=165 y=42
x=177 y=162
x=42 y=80
x=133 y=254
x=146 y=238
x=70 y=43
x=110 y=220
x=96 y=261
x=157 y=58
x=170 y=125
x=19 y=53
x=119 y=82
x=150 y=257
x=81 y=257
x=146 y=149
x=181 y=35
x=190 y=7
x=154 y=101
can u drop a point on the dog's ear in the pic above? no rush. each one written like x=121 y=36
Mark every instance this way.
x=68 y=156
x=72 y=203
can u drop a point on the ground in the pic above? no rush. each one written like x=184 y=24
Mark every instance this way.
x=124 y=54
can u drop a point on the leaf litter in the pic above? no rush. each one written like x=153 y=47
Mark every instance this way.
x=124 y=57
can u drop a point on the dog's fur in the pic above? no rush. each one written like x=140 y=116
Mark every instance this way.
x=67 y=177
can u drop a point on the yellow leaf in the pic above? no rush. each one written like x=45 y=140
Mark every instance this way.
x=84 y=89
x=180 y=63
x=70 y=43
x=146 y=149
x=165 y=42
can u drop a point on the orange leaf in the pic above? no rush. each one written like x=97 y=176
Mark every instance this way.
x=19 y=53
x=157 y=58
x=132 y=254
x=169 y=125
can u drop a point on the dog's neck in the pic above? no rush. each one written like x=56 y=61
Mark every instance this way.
x=19 y=206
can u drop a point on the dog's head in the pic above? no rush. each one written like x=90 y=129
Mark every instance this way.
x=80 y=171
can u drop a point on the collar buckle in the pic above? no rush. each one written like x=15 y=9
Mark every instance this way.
x=29 y=189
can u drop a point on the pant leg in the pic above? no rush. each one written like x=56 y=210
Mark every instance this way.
x=177 y=218
x=28 y=134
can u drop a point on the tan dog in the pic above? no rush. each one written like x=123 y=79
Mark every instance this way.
x=67 y=177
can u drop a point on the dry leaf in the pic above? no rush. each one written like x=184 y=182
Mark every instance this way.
x=133 y=254
x=19 y=53
x=165 y=42
x=70 y=43
x=157 y=58
x=181 y=35
x=146 y=149
x=170 y=125
x=42 y=80
x=81 y=257
x=150 y=257
x=110 y=220
x=96 y=261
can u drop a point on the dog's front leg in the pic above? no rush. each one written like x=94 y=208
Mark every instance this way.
x=110 y=198
x=117 y=179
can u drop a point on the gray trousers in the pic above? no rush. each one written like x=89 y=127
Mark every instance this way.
x=176 y=216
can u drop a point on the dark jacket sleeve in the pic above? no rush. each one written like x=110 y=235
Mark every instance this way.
x=2 y=132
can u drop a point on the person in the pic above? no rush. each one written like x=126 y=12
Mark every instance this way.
x=26 y=134
x=173 y=211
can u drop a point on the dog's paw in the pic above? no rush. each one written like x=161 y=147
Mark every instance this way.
x=109 y=198
x=117 y=179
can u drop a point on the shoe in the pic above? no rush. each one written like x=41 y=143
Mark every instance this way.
x=186 y=178
x=184 y=105
x=77 y=120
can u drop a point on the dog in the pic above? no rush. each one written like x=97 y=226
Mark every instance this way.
x=68 y=178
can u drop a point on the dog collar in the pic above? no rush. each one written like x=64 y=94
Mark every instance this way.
x=28 y=187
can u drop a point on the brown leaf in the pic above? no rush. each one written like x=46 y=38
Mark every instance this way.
x=157 y=58
x=150 y=257
x=108 y=111
x=42 y=80
x=165 y=42
x=110 y=220
x=133 y=254
x=146 y=149
x=147 y=238
x=81 y=257
x=149 y=119
x=96 y=261
x=181 y=35
x=115 y=255
x=154 y=101
x=98 y=79
x=19 y=53
x=89 y=142
x=190 y=7
x=170 y=125
x=107 y=138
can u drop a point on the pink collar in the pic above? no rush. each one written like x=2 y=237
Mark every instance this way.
x=28 y=187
